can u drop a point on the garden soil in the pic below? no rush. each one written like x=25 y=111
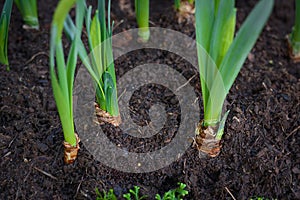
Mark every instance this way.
x=260 y=153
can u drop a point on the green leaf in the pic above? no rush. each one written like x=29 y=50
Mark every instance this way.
x=215 y=22
x=71 y=65
x=60 y=15
x=204 y=25
x=63 y=109
x=61 y=71
x=106 y=196
x=62 y=79
x=88 y=61
x=204 y=22
x=244 y=41
x=79 y=18
x=216 y=6
x=296 y=29
x=221 y=126
x=158 y=197
x=4 y=26
x=110 y=95
x=110 y=61
x=69 y=28
x=294 y=37
x=95 y=40
x=127 y=196
x=95 y=33
x=223 y=31
x=101 y=15
x=72 y=58
x=100 y=60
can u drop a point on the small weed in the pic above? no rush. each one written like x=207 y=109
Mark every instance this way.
x=133 y=194
x=175 y=194
x=105 y=196
x=260 y=198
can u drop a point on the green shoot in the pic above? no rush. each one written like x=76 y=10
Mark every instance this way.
x=100 y=63
x=106 y=195
x=135 y=193
x=176 y=4
x=220 y=54
x=174 y=194
x=191 y=2
x=61 y=72
x=29 y=12
x=4 y=25
x=294 y=37
x=142 y=17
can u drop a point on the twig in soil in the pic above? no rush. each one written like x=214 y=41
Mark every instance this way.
x=27 y=175
x=230 y=193
x=34 y=56
x=45 y=173
x=7 y=154
x=10 y=143
x=294 y=131
x=17 y=194
x=118 y=24
x=185 y=83
x=78 y=187
x=152 y=23
x=184 y=166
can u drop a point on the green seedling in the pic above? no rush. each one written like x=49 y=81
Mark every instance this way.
x=99 y=63
x=220 y=57
x=174 y=194
x=105 y=195
x=134 y=193
x=62 y=72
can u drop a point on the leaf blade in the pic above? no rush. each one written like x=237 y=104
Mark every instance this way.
x=4 y=26
x=244 y=41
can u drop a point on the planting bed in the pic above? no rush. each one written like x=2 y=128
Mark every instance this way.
x=260 y=154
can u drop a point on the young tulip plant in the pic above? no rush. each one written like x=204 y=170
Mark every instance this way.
x=62 y=73
x=100 y=63
x=220 y=57
x=294 y=37
x=142 y=18
x=4 y=25
x=29 y=13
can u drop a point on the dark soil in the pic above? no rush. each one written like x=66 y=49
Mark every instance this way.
x=260 y=154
